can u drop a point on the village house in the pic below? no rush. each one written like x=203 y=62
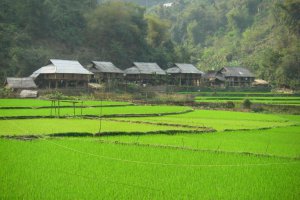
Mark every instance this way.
x=237 y=76
x=229 y=77
x=24 y=86
x=105 y=72
x=62 y=74
x=214 y=79
x=145 y=73
x=17 y=84
x=184 y=74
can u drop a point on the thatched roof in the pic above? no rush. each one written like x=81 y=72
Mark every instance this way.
x=173 y=70
x=20 y=83
x=260 y=82
x=188 y=68
x=213 y=75
x=145 y=68
x=104 y=67
x=61 y=67
x=236 y=72
x=28 y=94
x=132 y=70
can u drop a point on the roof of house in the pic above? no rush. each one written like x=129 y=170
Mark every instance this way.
x=20 y=83
x=28 y=94
x=61 y=67
x=173 y=70
x=260 y=82
x=213 y=75
x=188 y=68
x=148 y=68
x=236 y=71
x=132 y=70
x=105 y=67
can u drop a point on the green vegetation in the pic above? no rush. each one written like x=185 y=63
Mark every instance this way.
x=84 y=168
x=259 y=98
x=284 y=141
x=260 y=35
x=251 y=156
x=48 y=103
x=53 y=126
x=124 y=110
x=221 y=120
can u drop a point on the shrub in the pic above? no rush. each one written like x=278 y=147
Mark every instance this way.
x=4 y=92
x=247 y=104
x=229 y=104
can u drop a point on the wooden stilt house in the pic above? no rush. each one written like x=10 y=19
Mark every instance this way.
x=19 y=83
x=184 y=74
x=62 y=74
x=105 y=72
x=145 y=73
x=236 y=76
x=214 y=79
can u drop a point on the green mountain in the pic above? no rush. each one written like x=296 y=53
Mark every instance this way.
x=262 y=35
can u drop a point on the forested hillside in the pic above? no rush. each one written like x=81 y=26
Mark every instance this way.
x=262 y=35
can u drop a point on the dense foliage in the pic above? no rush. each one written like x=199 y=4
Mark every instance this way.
x=261 y=35
x=35 y=30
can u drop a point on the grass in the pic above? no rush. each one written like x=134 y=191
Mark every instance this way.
x=255 y=99
x=241 y=94
x=221 y=120
x=124 y=110
x=52 y=126
x=284 y=141
x=219 y=165
x=41 y=103
x=87 y=169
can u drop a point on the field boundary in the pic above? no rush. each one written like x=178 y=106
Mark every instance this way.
x=107 y=133
x=159 y=123
x=44 y=107
x=97 y=116
x=195 y=149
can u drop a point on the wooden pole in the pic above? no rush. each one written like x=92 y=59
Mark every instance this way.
x=81 y=107
x=74 y=108
x=58 y=108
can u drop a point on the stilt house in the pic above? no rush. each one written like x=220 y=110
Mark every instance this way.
x=62 y=74
x=214 y=79
x=145 y=73
x=236 y=76
x=184 y=74
x=20 y=83
x=105 y=72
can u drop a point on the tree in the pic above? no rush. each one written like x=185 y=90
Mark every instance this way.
x=116 y=29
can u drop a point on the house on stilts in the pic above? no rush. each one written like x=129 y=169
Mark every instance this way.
x=105 y=72
x=145 y=73
x=62 y=74
x=184 y=75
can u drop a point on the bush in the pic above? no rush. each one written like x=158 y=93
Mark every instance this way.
x=247 y=104
x=257 y=109
x=229 y=104
x=5 y=93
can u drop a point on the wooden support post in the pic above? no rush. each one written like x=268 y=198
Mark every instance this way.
x=58 y=108
x=74 y=108
x=81 y=107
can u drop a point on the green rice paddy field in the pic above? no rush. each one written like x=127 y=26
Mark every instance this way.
x=47 y=103
x=249 y=156
x=259 y=98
